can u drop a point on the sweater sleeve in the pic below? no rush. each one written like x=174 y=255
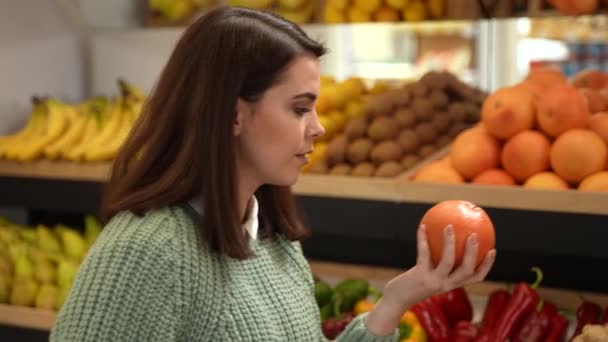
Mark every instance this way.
x=126 y=290
x=356 y=331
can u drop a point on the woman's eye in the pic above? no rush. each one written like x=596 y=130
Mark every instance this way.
x=302 y=110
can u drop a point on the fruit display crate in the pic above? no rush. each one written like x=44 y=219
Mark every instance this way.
x=373 y=221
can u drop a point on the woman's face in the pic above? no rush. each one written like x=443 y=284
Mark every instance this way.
x=275 y=133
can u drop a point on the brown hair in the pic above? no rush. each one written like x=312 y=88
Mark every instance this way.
x=183 y=145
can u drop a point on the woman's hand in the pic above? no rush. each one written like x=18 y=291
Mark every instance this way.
x=425 y=280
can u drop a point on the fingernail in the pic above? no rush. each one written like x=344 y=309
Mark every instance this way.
x=473 y=238
x=450 y=229
x=423 y=226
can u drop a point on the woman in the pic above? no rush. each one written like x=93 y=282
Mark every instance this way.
x=202 y=242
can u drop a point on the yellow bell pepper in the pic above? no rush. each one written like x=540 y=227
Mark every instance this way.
x=363 y=306
x=418 y=334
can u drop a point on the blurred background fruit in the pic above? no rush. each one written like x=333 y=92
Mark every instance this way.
x=547 y=132
x=38 y=263
x=389 y=130
x=90 y=131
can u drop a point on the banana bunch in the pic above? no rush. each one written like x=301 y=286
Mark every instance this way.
x=91 y=131
x=38 y=264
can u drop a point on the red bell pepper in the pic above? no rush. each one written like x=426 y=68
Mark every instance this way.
x=464 y=331
x=432 y=320
x=557 y=329
x=456 y=306
x=587 y=313
x=537 y=324
x=497 y=302
x=524 y=300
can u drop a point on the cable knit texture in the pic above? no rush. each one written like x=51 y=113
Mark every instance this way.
x=148 y=279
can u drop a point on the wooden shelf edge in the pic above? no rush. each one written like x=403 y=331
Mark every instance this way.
x=396 y=190
x=59 y=170
x=563 y=298
x=26 y=317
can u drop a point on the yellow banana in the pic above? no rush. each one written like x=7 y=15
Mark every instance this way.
x=74 y=151
x=108 y=150
x=99 y=125
x=56 y=124
x=74 y=134
x=38 y=129
x=14 y=139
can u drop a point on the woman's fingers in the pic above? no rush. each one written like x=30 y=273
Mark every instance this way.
x=467 y=269
x=424 y=259
x=484 y=268
x=449 y=250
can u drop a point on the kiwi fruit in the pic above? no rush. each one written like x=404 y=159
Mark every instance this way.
x=336 y=150
x=427 y=150
x=457 y=111
x=405 y=118
x=319 y=167
x=418 y=89
x=426 y=132
x=441 y=121
x=422 y=108
x=397 y=97
x=408 y=140
x=473 y=112
x=409 y=161
x=443 y=140
x=379 y=104
x=365 y=169
x=457 y=128
x=439 y=99
x=340 y=170
x=434 y=80
x=386 y=151
x=383 y=128
x=389 y=169
x=358 y=151
x=355 y=128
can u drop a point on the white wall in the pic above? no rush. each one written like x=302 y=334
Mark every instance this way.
x=39 y=54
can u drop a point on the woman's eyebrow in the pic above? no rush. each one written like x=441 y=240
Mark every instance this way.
x=308 y=95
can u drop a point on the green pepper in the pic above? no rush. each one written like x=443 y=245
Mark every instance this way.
x=327 y=311
x=323 y=293
x=349 y=292
x=405 y=330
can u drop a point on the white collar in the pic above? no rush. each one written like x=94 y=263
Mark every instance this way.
x=251 y=225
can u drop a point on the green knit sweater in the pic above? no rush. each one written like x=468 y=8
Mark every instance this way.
x=146 y=279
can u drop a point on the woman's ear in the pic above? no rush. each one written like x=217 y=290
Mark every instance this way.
x=242 y=114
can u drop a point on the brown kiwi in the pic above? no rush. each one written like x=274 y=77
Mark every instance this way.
x=398 y=97
x=389 y=169
x=319 y=167
x=405 y=118
x=426 y=132
x=434 y=80
x=358 y=151
x=408 y=140
x=355 y=128
x=441 y=121
x=365 y=169
x=378 y=105
x=456 y=128
x=439 y=99
x=426 y=150
x=473 y=112
x=457 y=112
x=443 y=140
x=341 y=170
x=422 y=108
x=386 y=151
x=419 y=89
x=336 y=150
x=383 y=128
x=409 y=161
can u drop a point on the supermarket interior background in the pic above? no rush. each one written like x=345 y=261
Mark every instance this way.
x=501 y=103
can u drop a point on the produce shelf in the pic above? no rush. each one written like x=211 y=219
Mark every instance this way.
x=26 y=317
x=388 y=190
x=31 y=318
